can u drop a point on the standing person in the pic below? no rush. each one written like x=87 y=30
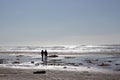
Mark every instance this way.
x=42 y=52
x=46 y=53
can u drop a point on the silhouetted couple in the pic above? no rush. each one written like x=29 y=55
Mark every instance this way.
x=44 y=55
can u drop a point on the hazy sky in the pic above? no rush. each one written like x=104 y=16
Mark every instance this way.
x=50 y=22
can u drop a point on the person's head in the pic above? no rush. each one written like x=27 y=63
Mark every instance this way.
x=42 y=51
x=45 y=50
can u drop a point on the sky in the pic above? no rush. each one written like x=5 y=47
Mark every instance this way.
x=59 y=22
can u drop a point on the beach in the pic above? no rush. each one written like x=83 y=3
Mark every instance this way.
x=25 y=74
x=59 y=40
x=60 y=66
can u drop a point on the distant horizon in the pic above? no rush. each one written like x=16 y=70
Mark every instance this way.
x=74 y=40
x=59 y=45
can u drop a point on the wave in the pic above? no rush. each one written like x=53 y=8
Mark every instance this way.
x=73 y=48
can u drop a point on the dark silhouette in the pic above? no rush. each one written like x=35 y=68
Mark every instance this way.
x=42 y=53
x=46 y=53
x=39 y=72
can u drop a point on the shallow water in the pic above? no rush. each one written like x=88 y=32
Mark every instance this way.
x=77 y=62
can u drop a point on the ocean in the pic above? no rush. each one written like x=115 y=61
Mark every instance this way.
x=93 y=62
x=64 y=48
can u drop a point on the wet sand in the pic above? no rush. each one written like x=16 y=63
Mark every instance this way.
x=26 y=74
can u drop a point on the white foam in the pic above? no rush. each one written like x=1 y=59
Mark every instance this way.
x=63 y=48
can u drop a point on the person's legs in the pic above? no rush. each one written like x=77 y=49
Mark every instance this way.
x=42 y=57
x=45 y=58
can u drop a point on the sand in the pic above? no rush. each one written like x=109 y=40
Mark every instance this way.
x=27 y=74
x=7 y=73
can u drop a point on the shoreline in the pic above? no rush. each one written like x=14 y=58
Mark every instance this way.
x=83 y=71
x=58 y=53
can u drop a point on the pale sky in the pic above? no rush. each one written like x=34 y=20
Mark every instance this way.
x=63 y=22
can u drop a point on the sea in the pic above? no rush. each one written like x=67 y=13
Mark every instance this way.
x=64 y=48
x=94 y=62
